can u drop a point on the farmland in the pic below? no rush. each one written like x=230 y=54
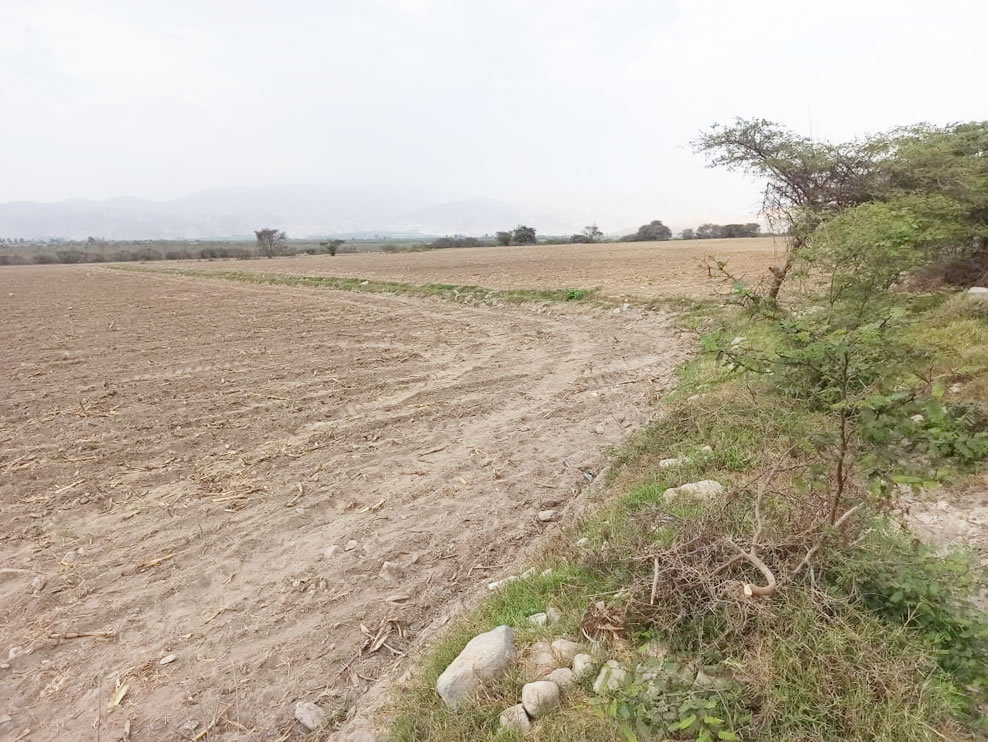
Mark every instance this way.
x=221 y=498
x=642 y=270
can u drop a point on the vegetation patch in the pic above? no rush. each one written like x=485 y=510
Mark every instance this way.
x=459 y=293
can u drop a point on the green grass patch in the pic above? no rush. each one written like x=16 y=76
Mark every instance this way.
x=879 y=642
x=454 y=292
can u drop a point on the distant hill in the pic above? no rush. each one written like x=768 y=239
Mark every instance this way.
x=302 y=211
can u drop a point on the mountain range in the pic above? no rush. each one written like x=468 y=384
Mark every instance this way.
x=301 y=211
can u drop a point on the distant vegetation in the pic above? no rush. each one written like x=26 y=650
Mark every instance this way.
x=722 y=231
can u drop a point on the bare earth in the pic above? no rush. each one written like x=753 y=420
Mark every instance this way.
x=177 y=455
x=634 y=269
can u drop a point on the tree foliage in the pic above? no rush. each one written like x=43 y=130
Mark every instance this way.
x=522 y=235
x=654 y=231
x=267 y=241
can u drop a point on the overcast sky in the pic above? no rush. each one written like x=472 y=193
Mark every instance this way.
x=585 y=104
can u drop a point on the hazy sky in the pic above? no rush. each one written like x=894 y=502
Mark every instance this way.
x=586 y=104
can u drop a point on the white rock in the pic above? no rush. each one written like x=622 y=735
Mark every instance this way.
x=694 y=398
x=167 y=659
x=38 y=584
x=516 y=719
x=737 y=341
x=598 y=429
x=391 y=572
x=309 y=715
x=705 y=488
x=350 y=545
x=484 y=657
x=546 y=572
x=547 y=516
x=980 y=290
x=565 y=650
x=6 y=718
x=955 y=388
x=331 y=550
x=917 y=418
x=540 y=698
x=582 y=541
x=553 y=614
x=538 y=619
x=612 y=676
x=705 y=449
x=563 y=677
x=497 y=583
x=669 y=463
x=582 y=666
x=528 y=573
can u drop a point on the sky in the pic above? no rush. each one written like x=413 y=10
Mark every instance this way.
x=585 y=105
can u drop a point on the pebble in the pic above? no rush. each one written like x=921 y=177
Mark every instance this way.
x=669 y=463
x=553 y=614
x=540 y=698
x=546 y=572
x=547 y=516
x=309 y=715
x=516 y=719
x=330 y=550
x=917 y=418
x=350 y=545
x=391 y=571
x=583 y=541
x=38 y=584
x=167 y=659
x=538 y=619
x=497 y=583
x=598 y=429
x=6 y=719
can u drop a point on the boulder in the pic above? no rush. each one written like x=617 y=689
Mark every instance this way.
x=540 y=698
x=484 y=657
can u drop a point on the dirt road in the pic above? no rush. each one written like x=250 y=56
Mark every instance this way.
x=634 y=269
x=237 y=478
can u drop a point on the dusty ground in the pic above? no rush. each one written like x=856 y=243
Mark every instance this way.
x=637 y=269
x=177 y=455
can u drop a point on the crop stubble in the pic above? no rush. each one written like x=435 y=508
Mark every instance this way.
x=177 y=454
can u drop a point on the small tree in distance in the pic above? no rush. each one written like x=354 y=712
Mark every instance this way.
x=522 y=235
x=503 y=238
x=267 y=239
x=332 y=245
x=654 y=231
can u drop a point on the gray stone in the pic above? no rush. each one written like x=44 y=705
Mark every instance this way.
x=38 y=584
x=484 y=657
x=543 y=659
x=167 y=659
x=553 y=614
x=563 y=677
x=538 y=619
x=612 y=676
x=331 y=550
x=669 y=463
x=565 y=650
x=705 y=488
x=547 y=516
x=516 y=719
x=978 y=290
x=582 y=666
x=309 y=715
x=540 y=698
x=350 y=545
x=391 y=572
